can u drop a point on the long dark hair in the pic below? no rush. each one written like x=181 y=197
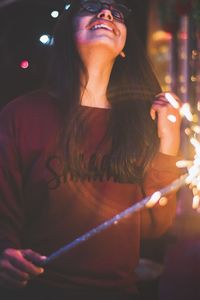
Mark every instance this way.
x=131 y=91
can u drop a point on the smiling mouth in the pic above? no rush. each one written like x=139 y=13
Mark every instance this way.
x=101 y=26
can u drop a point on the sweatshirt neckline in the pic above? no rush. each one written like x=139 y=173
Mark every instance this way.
x=95 y=108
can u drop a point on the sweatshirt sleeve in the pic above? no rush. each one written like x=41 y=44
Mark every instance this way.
x=11 y=198
x=157 y=220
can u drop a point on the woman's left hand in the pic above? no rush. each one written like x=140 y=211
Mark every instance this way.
x=169 y=121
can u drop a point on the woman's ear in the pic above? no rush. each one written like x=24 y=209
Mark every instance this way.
x=122 y=54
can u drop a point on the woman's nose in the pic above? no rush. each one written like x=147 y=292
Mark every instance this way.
x=105 y=14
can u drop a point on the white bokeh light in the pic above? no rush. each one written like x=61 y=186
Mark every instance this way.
x=54 y=14
x=67 y=6
x=45 y=39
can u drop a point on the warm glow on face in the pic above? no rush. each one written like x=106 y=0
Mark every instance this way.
x=99 y=34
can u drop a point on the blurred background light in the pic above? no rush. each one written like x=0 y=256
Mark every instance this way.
x=54 y=14
x=45 y=39
x=24 y=64
x=67 y=6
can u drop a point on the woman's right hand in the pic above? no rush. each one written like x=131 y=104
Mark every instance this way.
x=17 y=267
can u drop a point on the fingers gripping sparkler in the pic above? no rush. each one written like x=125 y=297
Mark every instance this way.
x=191 y=178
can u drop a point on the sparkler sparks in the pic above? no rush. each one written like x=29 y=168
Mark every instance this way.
x=193 y=167
x=196 y=201
x=185 y=111
x=172 y=100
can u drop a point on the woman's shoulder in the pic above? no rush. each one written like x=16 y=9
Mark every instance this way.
x=30 y=122
x=34 y=100
x=36 y=108
x=35 y=104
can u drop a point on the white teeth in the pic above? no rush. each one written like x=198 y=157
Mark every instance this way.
x=101 y=26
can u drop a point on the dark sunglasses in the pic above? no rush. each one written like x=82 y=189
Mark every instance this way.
x=119 y=11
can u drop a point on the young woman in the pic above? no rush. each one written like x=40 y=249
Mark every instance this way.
x=73 y=155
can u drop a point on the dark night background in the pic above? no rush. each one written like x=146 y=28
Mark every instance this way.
x=22 y=22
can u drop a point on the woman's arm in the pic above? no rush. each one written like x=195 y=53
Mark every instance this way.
x=155 y=221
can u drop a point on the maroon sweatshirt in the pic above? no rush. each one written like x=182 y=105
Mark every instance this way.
x=43 y=206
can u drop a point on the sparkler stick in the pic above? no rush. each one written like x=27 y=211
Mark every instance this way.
x=175 y=185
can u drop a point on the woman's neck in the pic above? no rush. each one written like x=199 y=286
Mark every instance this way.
x=95 y=93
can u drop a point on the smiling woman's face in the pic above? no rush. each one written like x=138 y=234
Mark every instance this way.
x=100 y=29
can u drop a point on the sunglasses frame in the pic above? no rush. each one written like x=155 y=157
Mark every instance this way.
x=121 y=9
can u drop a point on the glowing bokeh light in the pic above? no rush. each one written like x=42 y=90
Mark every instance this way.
x=67 y=6
x=185 y=111
x=172 y=100
x=196 y=202
x=163 y=201
x=172 y=118
x=154 y=199
x=24 y=64
x=46 y=39
x=183 y=163
x=54 y=14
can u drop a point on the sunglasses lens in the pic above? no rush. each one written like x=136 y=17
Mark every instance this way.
x=117 y=14
x=123 y=10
